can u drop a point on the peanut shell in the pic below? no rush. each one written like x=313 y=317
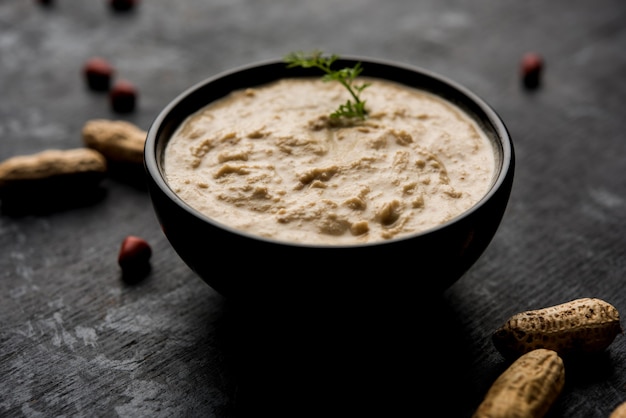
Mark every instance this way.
x=526 y=389
x=119 y=141
x=585 y=325
x=56 y=168
x=619 y=411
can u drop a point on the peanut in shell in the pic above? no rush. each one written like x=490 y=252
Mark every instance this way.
x=526 y=389
x=51 y=169
x=586 y=325
x=619 y=411
x=118 y=140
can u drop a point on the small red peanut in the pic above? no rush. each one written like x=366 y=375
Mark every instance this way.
x=134 y=257
x=531 y=68
x=98 y=73
x=123 y=97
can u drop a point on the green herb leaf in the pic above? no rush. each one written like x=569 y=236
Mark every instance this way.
x=345 y=76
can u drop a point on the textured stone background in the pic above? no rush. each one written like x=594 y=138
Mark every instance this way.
x=75 y=341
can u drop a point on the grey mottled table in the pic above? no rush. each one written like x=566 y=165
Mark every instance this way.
x=76 y=341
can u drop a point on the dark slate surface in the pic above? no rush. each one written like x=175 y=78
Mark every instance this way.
x=76 y=341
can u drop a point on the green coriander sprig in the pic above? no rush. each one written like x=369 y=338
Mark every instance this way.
x=345 y=76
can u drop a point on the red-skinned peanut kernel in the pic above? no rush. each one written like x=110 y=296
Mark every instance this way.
x=134 y=257
x=123 y=97
x=98 y=73
x=531 y=67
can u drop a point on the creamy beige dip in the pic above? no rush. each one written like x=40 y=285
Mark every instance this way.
x=269 y=161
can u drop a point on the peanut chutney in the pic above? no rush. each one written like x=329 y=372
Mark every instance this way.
x=270 y=161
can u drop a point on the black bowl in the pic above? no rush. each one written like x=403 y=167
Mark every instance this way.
x=237 y=264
